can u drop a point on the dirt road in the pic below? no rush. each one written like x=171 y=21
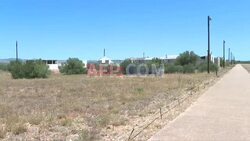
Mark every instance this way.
x=221 y=114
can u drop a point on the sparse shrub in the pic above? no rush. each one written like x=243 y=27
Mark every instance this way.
x=139 y=90
x=18 y=128
x=30 y=69
x=35 y=120
x=86 y=135
x=66 y=122
x=119 y=121
x=15 y=124
x=73 y=66
x=103 y=120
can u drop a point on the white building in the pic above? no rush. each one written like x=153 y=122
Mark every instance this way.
x=54 y=64
x=105 y=60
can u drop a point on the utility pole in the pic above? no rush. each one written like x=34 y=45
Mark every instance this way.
x=231 y=58
x=208 y=51
x=228 y=55
x=104 y=53
x=16 y=51
x=224 y=44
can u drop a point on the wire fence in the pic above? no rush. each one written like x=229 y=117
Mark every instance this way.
x=177 y=102
x=162 y=111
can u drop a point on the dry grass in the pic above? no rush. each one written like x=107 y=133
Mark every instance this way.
x=81 y=107
x=247 y=67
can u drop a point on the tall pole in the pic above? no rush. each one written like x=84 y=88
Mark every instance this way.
x=231 y=58
x=224 y=44
x=228 y=55
x=208 y=51
x=16 y=51
x=104 y=53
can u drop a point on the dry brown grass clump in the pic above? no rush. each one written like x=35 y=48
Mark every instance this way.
x=77 y=107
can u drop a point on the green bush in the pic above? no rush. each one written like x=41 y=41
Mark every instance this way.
x=30 y=69
x=190 y=68
x=73 y=66
x=3 y=67
x=36 y=69
x=171 y=68
x=203 y=67
x=16 y=69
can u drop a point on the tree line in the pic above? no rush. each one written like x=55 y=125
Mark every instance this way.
x=186 y=62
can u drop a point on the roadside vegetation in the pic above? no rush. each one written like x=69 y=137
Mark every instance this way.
x=187 y=62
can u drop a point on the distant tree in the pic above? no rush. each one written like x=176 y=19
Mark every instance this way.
x=187 y=58
x=73 y=66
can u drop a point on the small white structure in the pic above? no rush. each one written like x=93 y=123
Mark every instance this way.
x=105 y=60
x=54 y=65
x=85 y=63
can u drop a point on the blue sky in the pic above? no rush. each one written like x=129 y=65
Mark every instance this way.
x=58 y=29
